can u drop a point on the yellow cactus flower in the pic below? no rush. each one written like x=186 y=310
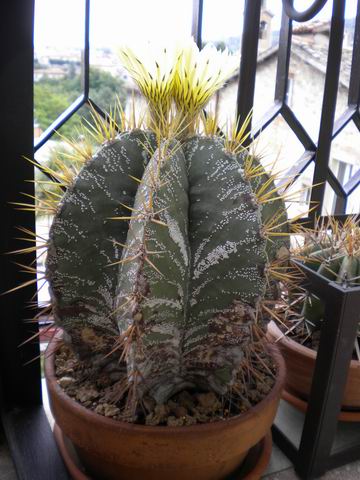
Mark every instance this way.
x=153 y=69
x=199 y=74
x=187 y=76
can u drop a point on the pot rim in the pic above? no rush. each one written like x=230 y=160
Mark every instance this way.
x=296 y=346
x=94 y=417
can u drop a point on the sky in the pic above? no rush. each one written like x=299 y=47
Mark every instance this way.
x=114 y=22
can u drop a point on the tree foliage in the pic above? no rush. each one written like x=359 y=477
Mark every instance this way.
x=53 y=96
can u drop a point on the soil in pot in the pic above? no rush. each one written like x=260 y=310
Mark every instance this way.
x=188 y=407
x=214 y=437
x=300 y=363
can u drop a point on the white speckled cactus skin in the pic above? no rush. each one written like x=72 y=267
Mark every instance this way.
x=176 y=290
x=83 y=242
x=194 y=305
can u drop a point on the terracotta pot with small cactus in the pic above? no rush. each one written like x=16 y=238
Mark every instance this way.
x=333 y=250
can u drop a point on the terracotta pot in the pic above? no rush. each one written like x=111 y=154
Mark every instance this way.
x=300 y=364
x=252 y=468
x=111 y=449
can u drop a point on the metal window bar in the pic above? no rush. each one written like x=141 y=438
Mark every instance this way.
x=248 y=61
x=23 y=417
x=196 y=29
x=328 y=113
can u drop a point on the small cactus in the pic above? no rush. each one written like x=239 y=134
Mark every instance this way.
x=168 y=240
x=333 y=250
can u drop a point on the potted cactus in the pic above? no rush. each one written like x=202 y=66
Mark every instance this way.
x=163 y=251
x=333 y=250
